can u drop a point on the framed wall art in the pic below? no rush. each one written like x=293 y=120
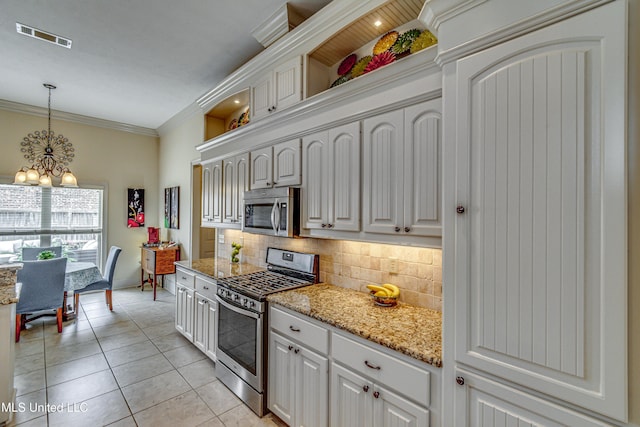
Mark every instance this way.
x=135 y=207
x=172 y=207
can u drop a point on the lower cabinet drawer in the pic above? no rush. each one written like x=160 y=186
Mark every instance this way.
x=206 y=287
x=185 y=278
x=383 y=368
x=313 y=336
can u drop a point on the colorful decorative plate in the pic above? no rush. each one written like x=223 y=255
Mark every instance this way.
x=380 y=60
x=347 y=64
x=233 y=124
x=423 y=41
x=341 y=80
x=404 y=41
x=358 y=69
x=244 y=118
x=385 y=42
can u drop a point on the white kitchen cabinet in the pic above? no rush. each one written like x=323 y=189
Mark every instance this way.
x=235 y=183
x=204 y=331
x=276 y=166
x=278 y=89
x=331 y=179
x=536 y=220
x=184 y=311
x=401 y=170
x=211 y=193
x=359 y=402
x=298 y=370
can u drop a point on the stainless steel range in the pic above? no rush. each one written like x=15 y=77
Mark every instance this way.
x=242 y=322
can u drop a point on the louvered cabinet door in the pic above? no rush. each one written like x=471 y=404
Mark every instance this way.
x=382 y=147
x=540 y=253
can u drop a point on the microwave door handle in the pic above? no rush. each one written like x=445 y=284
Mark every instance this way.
x=273 y=217
x=277 y=228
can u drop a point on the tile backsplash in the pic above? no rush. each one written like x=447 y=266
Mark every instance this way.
x=355 y=264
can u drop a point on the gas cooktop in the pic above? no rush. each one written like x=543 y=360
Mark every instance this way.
x=262 y=283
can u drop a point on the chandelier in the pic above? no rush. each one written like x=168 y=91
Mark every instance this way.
x=49 y=155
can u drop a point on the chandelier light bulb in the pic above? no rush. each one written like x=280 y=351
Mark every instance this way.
x=69 y=180
x=32 y=177
x=21 y=177
x=45 y=181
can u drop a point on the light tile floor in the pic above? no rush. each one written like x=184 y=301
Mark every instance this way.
x=123 y=368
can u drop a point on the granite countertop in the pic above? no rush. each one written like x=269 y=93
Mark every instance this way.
x=414 y=331
x=218 y=267
x=9 y=289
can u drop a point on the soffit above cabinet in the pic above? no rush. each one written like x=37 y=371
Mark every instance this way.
x=391 y=14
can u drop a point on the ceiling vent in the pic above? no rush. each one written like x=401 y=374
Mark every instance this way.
x=42 y=35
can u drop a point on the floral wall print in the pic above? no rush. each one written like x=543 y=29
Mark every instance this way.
x=172 y=207
x=135 y=211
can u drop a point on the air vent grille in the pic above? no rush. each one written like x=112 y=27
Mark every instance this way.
x=42 y=35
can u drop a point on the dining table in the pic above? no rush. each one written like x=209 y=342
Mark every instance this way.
x=78 y=275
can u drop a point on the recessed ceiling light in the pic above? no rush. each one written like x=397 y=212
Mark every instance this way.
x=42 y=35
x=236 y=101
x=377 y=23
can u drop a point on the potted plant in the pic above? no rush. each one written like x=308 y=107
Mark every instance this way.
x=46 y=255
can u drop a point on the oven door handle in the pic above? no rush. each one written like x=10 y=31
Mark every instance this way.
x=237 y=309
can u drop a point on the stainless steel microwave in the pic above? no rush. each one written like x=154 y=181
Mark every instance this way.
x=272 y=211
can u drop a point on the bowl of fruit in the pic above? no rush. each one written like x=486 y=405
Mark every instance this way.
x=385 y=295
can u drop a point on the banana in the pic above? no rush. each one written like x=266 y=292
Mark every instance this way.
x=381 y=294
x=376 y=288
x=393 y=290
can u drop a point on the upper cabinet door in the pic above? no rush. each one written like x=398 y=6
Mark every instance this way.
x=229 y=182
x=242 y=185
x=422 y=169
x=315 y=181
x=344 y=178
x=286 y=163
x=383 y=156
x=207 y=201
x=261 y=168
x=262 y=97
x=287 y=83
x=540 y=250
x=216 y=191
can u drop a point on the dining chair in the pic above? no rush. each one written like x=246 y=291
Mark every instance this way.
x=42 y=290
x=107 y=280
x=31 y=254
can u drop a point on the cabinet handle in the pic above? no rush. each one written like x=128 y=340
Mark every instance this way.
x=407 y=229
x=324 y=225
x=290 y=347
x=296 y=351
x=460 y=380
x=205 y=287
x=460 y=209
x=330 y=225
x=294 y=329
x=376 y=394
x=365 y=388
x=369 y=365
x=397 y=229
x=273 y=108
x=183 y=277
x=268 y=184
x=269 y=109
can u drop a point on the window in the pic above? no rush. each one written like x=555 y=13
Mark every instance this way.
x=55 y=216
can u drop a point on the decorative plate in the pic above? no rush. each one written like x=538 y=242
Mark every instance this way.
x=341 y=80
x=347 y=64
x=244 y=118
x=423 y=41
x=358 y=69
x=404 y=41
x=380 y=60
x=385 y=42
x=233 y=124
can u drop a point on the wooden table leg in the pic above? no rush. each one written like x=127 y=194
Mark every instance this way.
x=155 y=282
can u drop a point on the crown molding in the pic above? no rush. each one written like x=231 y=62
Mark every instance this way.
x=435 y=12
x=190 y=111
x=75 y=118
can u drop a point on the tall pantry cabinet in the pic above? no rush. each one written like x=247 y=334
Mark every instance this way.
x=535 y=226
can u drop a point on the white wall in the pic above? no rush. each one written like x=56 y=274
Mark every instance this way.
x=116 y=159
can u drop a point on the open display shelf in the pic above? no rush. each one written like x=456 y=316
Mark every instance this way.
x=359 y=38
x=228 y=115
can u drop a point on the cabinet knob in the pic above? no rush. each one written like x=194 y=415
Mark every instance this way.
x=268 y=184
x=407 y=229
x=205 y=287
x=290 y=347
x=397 y=229
x=365 y=388
x=273 y=108
x=460 y=380
x=330 y=225
x=460 y=209
x=296 y=351
x=376 y=394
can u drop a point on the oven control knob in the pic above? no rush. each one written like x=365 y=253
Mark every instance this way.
x=228 y=294
x=252 y=304
x=244 y=302
x=236 y=297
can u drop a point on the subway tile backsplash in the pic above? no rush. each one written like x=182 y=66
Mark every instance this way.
x=356 y=264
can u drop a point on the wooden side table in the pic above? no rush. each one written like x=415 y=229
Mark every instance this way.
x=157 y=262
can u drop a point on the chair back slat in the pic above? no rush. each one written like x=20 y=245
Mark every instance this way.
x=110 y=265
